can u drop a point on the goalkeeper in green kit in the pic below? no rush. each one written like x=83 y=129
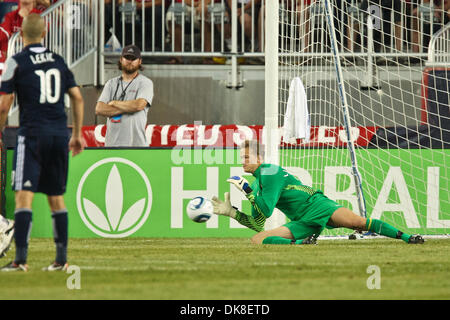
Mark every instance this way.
x=309 y=210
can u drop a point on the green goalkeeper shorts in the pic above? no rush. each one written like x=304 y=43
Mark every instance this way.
x=315 y=218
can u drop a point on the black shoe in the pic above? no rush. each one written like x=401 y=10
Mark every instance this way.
x=355 y=235
x=416 y=239
x=310 y=240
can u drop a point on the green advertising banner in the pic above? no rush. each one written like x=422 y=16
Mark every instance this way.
x=144 y=192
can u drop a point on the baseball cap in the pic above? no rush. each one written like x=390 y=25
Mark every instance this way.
x=131 y=52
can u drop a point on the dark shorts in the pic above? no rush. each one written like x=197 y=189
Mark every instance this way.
x=315 y=219
x=41 y=164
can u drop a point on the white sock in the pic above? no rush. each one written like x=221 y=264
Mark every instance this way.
x=3 y=223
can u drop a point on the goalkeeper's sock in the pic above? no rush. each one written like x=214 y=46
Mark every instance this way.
x=22 y=230
x=386 y=229
x=60 y=226
x=276 y=240
x=280 y=240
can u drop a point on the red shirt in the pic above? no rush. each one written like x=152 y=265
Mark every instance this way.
x=11 y=24
x=13 y=21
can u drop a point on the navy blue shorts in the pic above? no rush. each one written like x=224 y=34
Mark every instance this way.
x=41 y=164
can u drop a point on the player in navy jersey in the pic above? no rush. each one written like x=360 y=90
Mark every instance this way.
x=40 y=78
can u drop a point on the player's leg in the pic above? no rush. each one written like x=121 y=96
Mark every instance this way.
x=306 y=230
x=60 y=232
x=294 y=232
x=23 y=222
x=345 y=218
x=25 y=178
x=22 y=228
x=53 y=184
x=280 y=235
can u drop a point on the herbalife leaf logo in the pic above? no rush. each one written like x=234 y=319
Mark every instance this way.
x=114 y=197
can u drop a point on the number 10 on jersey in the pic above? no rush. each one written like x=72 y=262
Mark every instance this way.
x=47 y=95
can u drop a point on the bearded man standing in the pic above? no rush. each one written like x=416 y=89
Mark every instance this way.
x=125 y=101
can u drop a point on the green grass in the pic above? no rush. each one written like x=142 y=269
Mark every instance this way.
x=234 y=269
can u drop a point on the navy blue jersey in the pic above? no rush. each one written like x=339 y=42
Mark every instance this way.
x=40 y=78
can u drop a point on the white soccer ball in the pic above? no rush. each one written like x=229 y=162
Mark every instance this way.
x=199 y=209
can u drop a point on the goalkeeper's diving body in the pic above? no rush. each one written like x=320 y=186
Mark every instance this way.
x=308 y=209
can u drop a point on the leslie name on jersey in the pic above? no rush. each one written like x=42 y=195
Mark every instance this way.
x=42 y=57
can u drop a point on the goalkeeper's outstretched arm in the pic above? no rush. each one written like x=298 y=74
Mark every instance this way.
x=254 y=223
x=224 y=208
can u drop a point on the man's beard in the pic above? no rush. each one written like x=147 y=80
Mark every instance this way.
x=130 y=69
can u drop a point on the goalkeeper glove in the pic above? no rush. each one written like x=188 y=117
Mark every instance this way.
x=241 y=184
x=223 y=208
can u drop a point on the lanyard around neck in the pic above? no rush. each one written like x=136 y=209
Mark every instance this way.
x=124 y=91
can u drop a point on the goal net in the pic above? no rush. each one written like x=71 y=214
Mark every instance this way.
x=364 y=107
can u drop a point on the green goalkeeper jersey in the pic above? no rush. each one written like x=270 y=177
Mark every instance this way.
x=273 y=188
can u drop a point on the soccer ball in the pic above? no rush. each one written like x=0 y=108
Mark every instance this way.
x=199 y=209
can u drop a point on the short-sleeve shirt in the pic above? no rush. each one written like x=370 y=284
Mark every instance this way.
x=40 y=78
x=128 y=129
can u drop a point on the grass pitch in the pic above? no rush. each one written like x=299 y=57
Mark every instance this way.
x=231 y=268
